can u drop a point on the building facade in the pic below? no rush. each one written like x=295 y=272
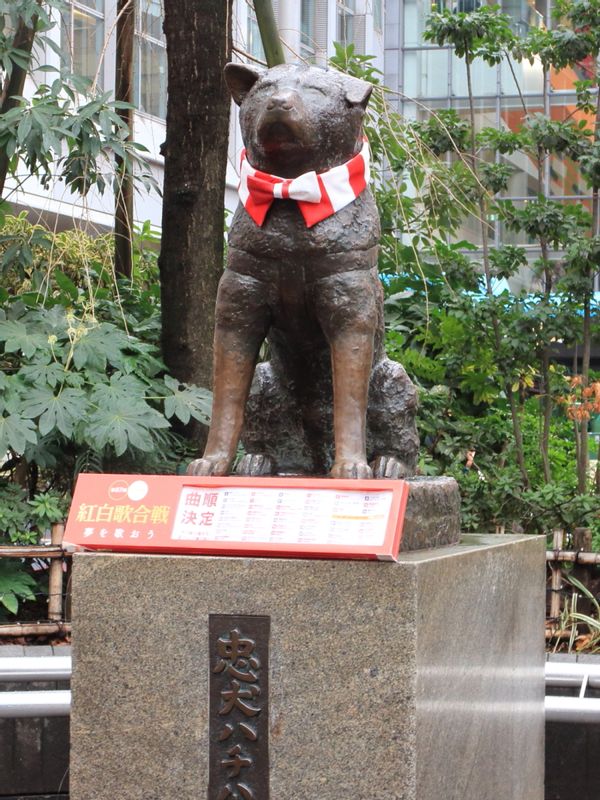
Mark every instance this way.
x=85 y=35
x=425 y=77
x=422 y=78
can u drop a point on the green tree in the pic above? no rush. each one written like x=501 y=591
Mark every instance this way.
x=482 y=34
x=67 y=130
x=479 y=355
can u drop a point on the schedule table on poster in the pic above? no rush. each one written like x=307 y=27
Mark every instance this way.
x=293 y=517
x=324 y=516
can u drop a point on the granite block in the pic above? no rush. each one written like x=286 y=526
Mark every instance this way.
x=432 y=516
x=416 y=680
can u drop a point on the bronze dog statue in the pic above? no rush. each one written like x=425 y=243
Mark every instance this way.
x=302 y=274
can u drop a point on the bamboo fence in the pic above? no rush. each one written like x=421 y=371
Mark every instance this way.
x=57 y=623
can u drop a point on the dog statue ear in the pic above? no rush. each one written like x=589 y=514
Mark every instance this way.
x=357 y=91
x=240 y=78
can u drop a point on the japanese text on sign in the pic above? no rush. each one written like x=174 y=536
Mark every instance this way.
x=239 y=713
x=283 y=516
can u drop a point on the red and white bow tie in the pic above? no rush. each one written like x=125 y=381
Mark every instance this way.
x=319 y=196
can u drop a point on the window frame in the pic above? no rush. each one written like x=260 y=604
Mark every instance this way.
x=142 y=37
x=67 y=24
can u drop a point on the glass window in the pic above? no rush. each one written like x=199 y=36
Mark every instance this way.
x=150 y=18
x=83 y=39
x=416 y=13
x=564 y=80
x=96 y=5
x=484 y=112
x=529 y=77
x=524 y=181
x=150 y=60
x=426 y=73
x=524 y=15
x=378 y=15
x=470 y=231
x=307 y=30
x=411 y=111
x=345 y=21
x=484 y=78
x=150 y=79
x=412 y=28
x=253 y=41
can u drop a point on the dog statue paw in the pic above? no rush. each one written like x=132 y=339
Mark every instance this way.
x=389 y=467
x=215 y=465
x=349 y=468
x=254 y=466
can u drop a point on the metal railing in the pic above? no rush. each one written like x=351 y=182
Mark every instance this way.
x=571 y=675
x=57 y=702
x=47 y=703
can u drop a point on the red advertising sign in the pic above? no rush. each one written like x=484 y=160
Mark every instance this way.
x=302 y=517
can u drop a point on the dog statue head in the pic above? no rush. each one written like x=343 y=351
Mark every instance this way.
x=296 y=118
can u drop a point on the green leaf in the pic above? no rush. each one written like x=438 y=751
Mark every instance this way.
x=15 y=583
x=15 y=432
x=9 y=601
x=66 y=284
x=120 y=389
x=17 y=336
x=24 y=128
x=39 y=374
x=123 y=423
x=189 y=401
x=62 y=411
x=100 y=345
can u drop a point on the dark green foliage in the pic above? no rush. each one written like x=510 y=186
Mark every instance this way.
x=82 y=385
x=68 y=130
x=558 y=48
x=589 y=162
x=443 y=325
x=495 y=177
x=443 y=132
x=484 y=33
x=551 y=220
x=79 y=376
x=504 y=141
x=15 y=584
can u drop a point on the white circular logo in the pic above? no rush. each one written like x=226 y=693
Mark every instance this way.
x=137 y=491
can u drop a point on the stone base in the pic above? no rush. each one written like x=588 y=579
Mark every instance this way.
x=416 y=680
x=432 y=514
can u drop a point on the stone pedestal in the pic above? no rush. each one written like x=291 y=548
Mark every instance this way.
x=416 y=680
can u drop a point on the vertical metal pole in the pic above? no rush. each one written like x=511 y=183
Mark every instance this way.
x=556 y=583
x=123 y=180
x=55 y=578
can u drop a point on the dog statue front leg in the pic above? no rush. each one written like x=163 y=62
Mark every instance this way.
x=242 y=320
x=233 y=371
x=346 y=308
x=351 y=361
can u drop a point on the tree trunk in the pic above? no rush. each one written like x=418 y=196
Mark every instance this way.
x=123 y=179
x=23 y=40
x=191 y=259
x=483 y=215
